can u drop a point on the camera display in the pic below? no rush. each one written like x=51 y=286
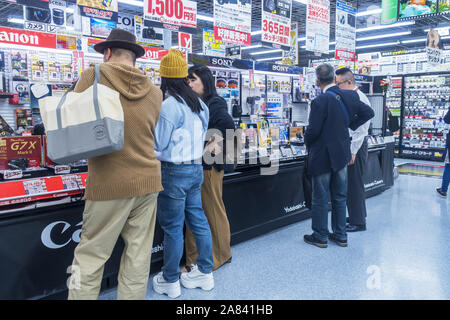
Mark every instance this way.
x=150 y=33
x=37 y=15
x=58 y=16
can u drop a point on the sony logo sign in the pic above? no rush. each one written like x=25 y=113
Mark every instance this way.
x=222 y=62
x=280 y=68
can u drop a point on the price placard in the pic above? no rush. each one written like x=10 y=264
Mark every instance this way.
x=318 y=26
x=276 y=24
x=181 y=13
x=232 y=21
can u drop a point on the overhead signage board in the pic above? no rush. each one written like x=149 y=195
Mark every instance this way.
x=318 y=26
x=212 y=46
x=176 y=15
x=276 y=23
x=345 y=31
x=233 y=21
x=110 y=5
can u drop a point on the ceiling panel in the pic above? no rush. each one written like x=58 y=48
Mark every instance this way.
x=205 y=7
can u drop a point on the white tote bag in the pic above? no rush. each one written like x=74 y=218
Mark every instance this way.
x=83 y=125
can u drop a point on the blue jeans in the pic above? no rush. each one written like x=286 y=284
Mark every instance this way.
x=179 y=201
x=336 y=184
x=446 y=178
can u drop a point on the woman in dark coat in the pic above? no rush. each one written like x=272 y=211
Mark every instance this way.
x=202 y=82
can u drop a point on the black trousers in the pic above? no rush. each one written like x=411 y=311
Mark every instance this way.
x=356 y=198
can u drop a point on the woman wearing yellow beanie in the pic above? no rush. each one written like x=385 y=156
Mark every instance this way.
x=179 y=137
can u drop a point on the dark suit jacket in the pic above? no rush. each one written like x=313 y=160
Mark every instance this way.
x=447 y=120
x=327 y=137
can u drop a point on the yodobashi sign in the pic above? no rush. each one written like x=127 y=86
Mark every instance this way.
x=27 y=38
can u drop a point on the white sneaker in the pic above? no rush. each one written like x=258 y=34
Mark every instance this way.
x=161 y=286
x=197 y=279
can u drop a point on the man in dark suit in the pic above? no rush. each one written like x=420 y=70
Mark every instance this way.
x=328 y=142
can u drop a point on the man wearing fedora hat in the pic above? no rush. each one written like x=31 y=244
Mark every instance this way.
x=122 y=187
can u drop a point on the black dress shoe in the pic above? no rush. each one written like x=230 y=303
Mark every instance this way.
x=355 y=228
x=310 y=239
x=341 y=243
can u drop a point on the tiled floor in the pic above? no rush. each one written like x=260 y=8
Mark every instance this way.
x=404 y=254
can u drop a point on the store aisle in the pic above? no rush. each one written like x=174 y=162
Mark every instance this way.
x=404 y=254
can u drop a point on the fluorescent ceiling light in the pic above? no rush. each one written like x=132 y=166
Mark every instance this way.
x=265 y=52
x=302 y=1
x=394 y=25
x=414 y=40
x=384 y=36
x=254 y=33
x=70 y=10
x=16 y=20
x=205 y=18
x=368 y=12
x=302 y=39
x=440 y=28
x=132 y=2
x=251 y=47
x=267 y=59
x=377 y=45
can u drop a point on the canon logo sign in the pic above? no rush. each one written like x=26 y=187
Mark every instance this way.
x=47 y=240
x=19 y=38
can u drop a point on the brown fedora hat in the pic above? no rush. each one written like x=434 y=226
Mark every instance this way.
x=119 y=38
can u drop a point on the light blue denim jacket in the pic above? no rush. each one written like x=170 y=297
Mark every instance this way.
x=180 y=133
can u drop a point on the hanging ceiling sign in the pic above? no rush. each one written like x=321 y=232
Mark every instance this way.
x=110 y=5
x=176 y=15
x=276 y=23
x=233 y=21
x=414 y=9
x=185 y=41
x=220 y=62
x=291 y=57
x=318 y=26
x=98 y=14
x=345 y=31
x=212 y=46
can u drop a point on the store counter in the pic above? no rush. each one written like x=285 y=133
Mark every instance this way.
x=37 y=244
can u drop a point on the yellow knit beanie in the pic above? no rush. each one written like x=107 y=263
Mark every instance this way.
x=174 y=65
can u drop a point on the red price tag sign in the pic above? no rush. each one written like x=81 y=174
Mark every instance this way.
x=275 y=32
x=177 y=12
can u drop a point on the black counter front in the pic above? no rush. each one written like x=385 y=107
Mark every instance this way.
x=37 y=246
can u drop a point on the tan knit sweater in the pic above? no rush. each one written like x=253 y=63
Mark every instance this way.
x=134 y=170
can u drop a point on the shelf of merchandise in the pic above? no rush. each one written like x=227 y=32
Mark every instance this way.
x=426 y=99
x=32 y=190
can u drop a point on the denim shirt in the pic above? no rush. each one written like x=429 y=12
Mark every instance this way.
x=180 y=133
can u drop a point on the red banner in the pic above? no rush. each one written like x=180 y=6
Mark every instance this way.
x=27 y=38
x=228 y=35
x=152 y=53
x=345 y=55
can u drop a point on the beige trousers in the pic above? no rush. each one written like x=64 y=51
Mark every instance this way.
x=217 y=218
x=103 y=221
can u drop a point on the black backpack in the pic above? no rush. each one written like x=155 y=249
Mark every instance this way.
x=236 y=111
